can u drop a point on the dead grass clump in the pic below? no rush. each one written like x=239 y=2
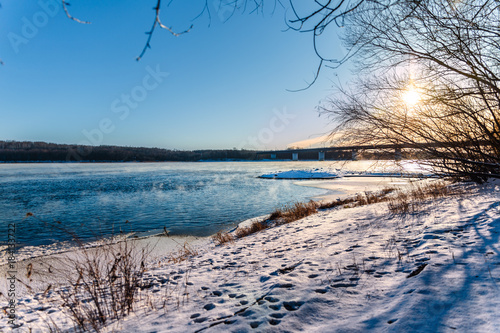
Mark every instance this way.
x=280 y=216
x=409 y=201
x=337 y=203
x=185 y=252
x=360 y=199
x=251 y=229
x=102 y=283
x=93 y=285
x=401 y=204
x=222 y=238
x=294 y=212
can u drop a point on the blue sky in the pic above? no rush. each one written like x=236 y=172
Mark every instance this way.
x=222 y=85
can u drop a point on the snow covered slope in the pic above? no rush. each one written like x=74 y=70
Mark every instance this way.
x=345 y=270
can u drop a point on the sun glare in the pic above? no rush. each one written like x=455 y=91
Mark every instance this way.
x=411 y=96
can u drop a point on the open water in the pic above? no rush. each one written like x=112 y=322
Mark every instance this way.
x=96 y=199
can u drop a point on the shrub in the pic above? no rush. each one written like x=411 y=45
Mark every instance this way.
x=97 y=285
x=102 y=283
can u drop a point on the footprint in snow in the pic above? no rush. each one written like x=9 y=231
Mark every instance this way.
x=277 y=315
x=310 y=263
x=264 y=278
x=209 y=306
x=293 y=305
x=271 y=299
x=343 y=285
x=246 y=313
x=284 y=285
x=200 y=320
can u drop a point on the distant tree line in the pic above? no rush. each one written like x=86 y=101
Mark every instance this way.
x=27 y=151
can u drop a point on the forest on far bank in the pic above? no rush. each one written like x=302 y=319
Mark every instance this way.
x=28 y=151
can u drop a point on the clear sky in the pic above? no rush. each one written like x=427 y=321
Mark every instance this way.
x=222 y=85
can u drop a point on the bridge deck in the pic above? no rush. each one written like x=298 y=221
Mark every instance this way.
x=373 y=147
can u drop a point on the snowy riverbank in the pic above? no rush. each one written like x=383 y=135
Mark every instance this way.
x=404 y=170
x=354 y=269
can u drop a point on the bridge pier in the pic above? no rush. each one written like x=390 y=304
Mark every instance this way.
x=354 y=154
x=398 y=156
x=321 y=156
x=295 y=156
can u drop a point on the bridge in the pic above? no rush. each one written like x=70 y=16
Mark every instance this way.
x=352 y=152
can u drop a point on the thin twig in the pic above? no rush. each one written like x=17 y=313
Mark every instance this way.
x=158 y=22
x=71 y=17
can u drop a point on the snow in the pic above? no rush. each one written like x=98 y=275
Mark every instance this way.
x=346 y=186
x=342 y=270
x=328 y=173
x=301 y=174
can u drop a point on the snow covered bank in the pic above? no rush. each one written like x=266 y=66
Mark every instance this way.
x=337 y=173
x=358 y=269
x=347 y=186
x=301 y=174
x=158 y=242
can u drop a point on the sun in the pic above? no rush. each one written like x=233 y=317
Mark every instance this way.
x=411 y=96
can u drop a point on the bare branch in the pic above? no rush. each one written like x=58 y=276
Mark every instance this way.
x=64 y=5
x=316 y=75
x=158 y=22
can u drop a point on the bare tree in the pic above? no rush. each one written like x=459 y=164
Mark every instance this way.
x=315 y=17
x=429 y=73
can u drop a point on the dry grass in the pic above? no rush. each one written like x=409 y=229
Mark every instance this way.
x=93 y=285
x=367 y=198
x=410 y=201
x=300 y=210
x=280 y=216
x=401 y=201
x=294 y=212
x=222 y=238
x=251 y=229
x=337 y=203
x=102 y=283
x=185 y=252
